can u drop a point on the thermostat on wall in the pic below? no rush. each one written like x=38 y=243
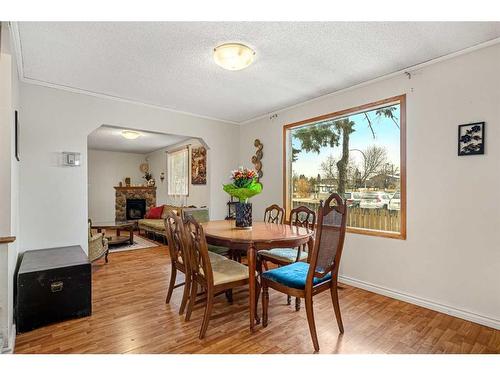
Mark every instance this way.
x=71 y=159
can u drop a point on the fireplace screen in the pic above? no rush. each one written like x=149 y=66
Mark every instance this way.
x=136 y=209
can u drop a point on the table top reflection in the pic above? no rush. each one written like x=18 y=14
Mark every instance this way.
x=260 y=231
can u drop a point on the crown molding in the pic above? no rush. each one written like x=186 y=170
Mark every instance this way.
x=385 y=77
x=20 y=69
x=17 y=46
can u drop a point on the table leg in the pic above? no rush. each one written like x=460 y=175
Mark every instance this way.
x=251 y=285
x=132 y=235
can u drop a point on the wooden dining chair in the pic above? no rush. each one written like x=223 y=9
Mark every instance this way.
x=305 y=280
x=301 y=216
x=179 y=261
x=213 y=275
x=201 y=215
x=274 y=214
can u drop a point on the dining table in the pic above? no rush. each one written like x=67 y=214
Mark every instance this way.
x=261 y=236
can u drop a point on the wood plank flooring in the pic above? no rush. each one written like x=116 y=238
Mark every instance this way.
x=130 y=316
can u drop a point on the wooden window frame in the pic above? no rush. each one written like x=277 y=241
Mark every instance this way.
x=402 y=140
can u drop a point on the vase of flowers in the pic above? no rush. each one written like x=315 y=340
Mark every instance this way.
x=243 y=187
x=150 y=181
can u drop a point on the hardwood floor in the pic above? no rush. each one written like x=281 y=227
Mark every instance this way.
x=130 y=316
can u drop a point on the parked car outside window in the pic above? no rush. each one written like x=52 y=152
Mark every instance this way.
x=352 y=198
x=395 y=202
x=376 y=199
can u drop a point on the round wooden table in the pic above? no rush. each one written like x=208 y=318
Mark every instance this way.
x=262 y=236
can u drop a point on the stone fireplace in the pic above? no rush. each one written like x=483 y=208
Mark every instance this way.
x=133 y=194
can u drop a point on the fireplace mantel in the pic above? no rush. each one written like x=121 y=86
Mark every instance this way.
x=135 y=187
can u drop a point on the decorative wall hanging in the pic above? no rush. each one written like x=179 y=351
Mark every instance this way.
x=199 y=166
x=471 y=139
x=144 y=167
x=256 y=159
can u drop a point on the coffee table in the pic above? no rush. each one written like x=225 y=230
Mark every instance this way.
x=119 y=226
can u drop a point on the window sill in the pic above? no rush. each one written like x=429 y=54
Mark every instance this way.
x=375 y=233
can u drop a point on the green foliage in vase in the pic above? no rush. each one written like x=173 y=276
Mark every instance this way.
x=244 y=185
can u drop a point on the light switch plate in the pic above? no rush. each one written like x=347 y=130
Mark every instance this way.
x=71 y=159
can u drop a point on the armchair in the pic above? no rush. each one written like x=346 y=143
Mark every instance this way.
x=98 y=245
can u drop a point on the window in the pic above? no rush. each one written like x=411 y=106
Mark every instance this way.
x=358 y=153
x=177 y=172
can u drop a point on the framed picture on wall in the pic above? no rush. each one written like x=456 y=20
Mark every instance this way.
x=471 y=139
x=199 y=166
x=16 y=135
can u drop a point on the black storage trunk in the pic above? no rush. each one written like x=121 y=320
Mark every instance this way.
x=52 y=285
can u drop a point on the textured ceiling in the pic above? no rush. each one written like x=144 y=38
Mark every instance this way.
x=110 y=139
x=170 y=64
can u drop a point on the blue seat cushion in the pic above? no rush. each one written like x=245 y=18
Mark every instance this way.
x=293 y=275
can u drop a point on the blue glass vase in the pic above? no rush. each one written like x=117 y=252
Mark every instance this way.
x=243 y=215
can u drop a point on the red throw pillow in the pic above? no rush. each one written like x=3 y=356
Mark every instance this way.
x=154 y=213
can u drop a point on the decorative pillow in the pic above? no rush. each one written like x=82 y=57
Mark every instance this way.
x=154 y=213
x=167 y=208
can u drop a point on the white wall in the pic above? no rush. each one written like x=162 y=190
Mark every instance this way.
x=451 y=258
x=105 y=171
x=53 y=199
x=9 y=183
x=198 y=194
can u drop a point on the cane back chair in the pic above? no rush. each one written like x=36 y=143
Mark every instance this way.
x=305 y=280
x=301 y=216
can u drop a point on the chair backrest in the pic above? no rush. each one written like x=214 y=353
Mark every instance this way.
x=90 y=228
x=201 y=215
x=196 y=245
x=174 y=230
x=274 y=214
x=303 y=216
x=329 y=242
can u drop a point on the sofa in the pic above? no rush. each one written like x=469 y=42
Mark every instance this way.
x=156 y=227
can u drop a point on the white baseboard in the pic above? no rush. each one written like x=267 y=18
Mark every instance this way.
x=449 y=310
x=9 y=349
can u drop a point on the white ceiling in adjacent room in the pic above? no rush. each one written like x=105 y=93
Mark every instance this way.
x=110 y=138
x=170 y=64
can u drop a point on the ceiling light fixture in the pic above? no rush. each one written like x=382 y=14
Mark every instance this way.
x=233 y=56
x=130 y=134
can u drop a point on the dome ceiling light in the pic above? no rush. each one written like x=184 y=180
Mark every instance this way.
x=130 y=134
x=233 y=56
